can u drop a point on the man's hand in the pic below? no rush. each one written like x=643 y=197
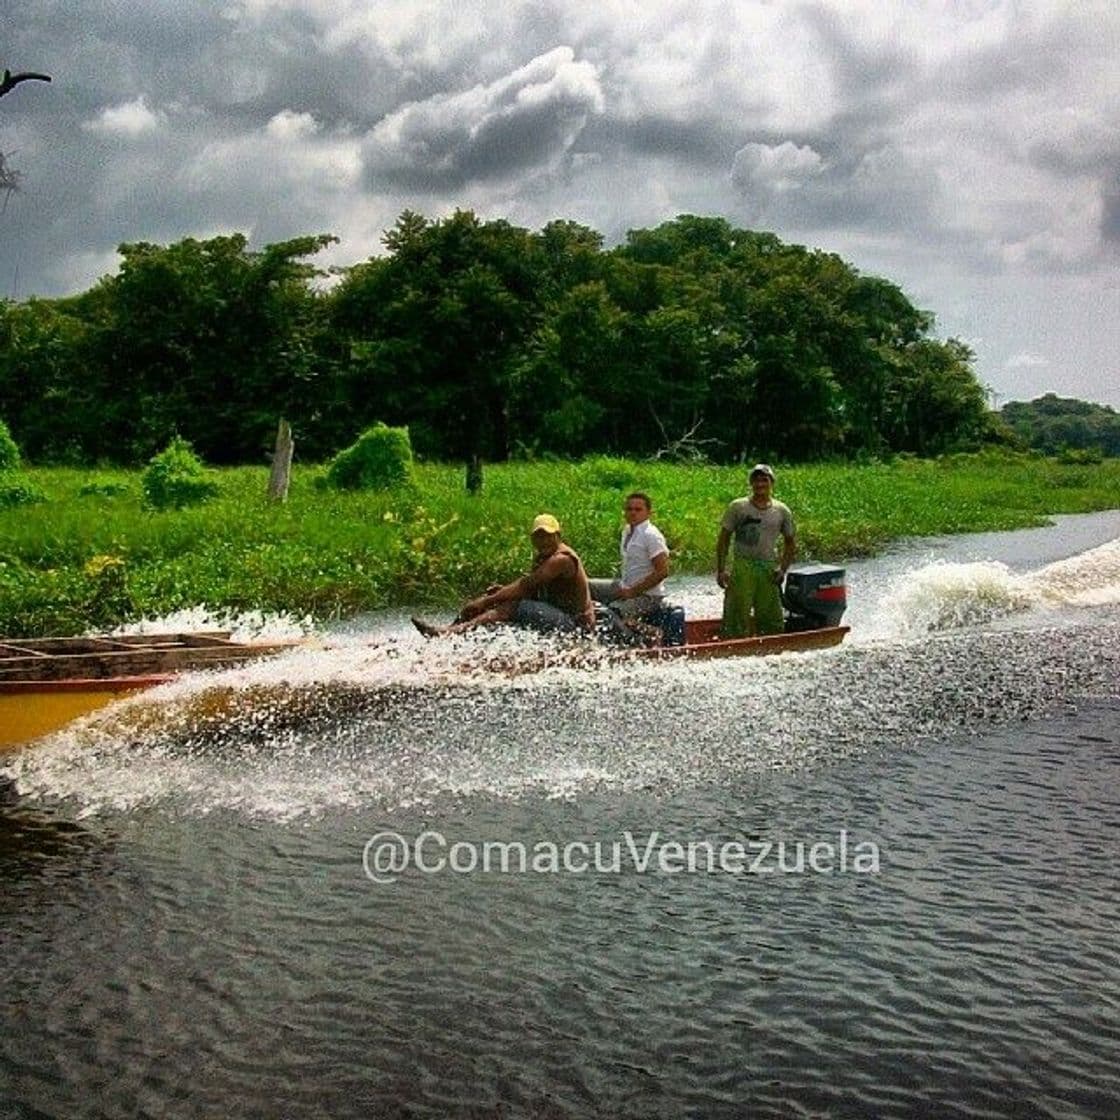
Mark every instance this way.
x=779 y=576
x=625 y=593
x=722 y=577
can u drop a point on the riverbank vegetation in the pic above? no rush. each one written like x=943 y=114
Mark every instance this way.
x=91 y=554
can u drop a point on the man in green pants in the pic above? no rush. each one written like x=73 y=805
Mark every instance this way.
x=752 y=599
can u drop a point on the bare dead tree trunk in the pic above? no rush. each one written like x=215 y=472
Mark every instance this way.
x=281 y=463
x=474 y=474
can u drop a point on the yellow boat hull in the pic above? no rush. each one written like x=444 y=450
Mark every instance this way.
x=32 y=709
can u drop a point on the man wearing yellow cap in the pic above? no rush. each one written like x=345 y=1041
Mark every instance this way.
x=752 y=600
x=552 y=595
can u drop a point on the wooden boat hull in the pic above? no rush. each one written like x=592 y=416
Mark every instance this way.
x=702 y=640
x=31 y=706
x=31 y=709
x=47 y=682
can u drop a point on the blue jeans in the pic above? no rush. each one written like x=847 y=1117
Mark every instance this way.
x=543 y=616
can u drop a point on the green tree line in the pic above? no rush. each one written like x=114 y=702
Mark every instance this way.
x=489 y=341
x=1054 y=424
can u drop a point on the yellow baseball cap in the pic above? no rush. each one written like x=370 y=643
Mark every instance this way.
x=546 y=523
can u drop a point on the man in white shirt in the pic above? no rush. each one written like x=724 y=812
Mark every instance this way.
x=645 y=565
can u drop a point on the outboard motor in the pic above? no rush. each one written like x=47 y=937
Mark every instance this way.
x=815 y=596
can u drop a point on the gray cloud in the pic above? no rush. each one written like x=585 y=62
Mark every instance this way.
x=518 y=123
x=968 y=148
x=1110 y=208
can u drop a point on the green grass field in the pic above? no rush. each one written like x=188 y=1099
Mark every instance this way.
x=328 y=554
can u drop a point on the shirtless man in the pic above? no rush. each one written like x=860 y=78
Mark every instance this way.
x=552 y=595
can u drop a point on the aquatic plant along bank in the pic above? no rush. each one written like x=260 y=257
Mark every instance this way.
x=325 y=555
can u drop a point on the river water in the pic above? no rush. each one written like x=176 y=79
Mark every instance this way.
x=879 y=880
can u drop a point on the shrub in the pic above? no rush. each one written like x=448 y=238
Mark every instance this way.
x=381 y=459
x=1080 y=456
x=9 y=451
x=15 y=490
x=103 y=489
x=609 y=471
x=175 y=478
x=109 y=600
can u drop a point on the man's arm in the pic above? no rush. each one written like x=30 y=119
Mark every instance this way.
x=519 y=588
x=660 y=571
x=722 y=541
x=789 y=551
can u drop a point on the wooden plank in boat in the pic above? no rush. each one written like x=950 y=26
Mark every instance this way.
x=99 y=642
x=167 y=654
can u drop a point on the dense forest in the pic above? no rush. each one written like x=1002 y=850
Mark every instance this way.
x=493 y=341
x=1054 y=424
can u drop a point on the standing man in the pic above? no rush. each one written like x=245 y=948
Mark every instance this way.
x=553 y=595
x=752 y=599
x=645 y=565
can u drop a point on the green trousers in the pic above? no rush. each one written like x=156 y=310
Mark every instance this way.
x=752 y=601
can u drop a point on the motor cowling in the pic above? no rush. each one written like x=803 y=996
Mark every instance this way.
x=815 y=596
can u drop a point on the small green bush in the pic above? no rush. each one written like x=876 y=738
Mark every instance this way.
x=15 y=490
x=109 y=601
x=176 y=478
x=9 y=451
x=1080 y=456
x=103 y=489
x=381 y=459
x=609 y=471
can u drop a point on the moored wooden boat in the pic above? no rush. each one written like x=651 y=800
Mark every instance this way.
x=47 y=682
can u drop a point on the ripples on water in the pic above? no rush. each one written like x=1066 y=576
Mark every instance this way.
x=186 y=928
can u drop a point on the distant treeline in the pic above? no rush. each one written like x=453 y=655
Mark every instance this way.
x=489 y=340
x=1054 y=424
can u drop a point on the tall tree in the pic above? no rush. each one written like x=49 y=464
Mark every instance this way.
x=440 y=324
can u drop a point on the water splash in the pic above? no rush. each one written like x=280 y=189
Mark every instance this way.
x=949 y=596
x=1089 y=579
x=244 y=626
x=381 y=716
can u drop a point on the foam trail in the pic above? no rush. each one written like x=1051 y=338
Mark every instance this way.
x=948 y=596
x=1089 y=579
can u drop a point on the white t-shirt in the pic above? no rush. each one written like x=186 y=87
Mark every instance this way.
x=645 y=542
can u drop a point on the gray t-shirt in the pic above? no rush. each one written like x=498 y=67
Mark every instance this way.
x=756 y=531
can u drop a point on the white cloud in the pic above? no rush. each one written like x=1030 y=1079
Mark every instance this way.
x=1025 y=360
x=133 y=118
x=288 y=125
x=779 y=168
x=969 y=151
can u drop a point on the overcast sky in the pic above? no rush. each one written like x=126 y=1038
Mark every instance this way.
x=968 y=150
